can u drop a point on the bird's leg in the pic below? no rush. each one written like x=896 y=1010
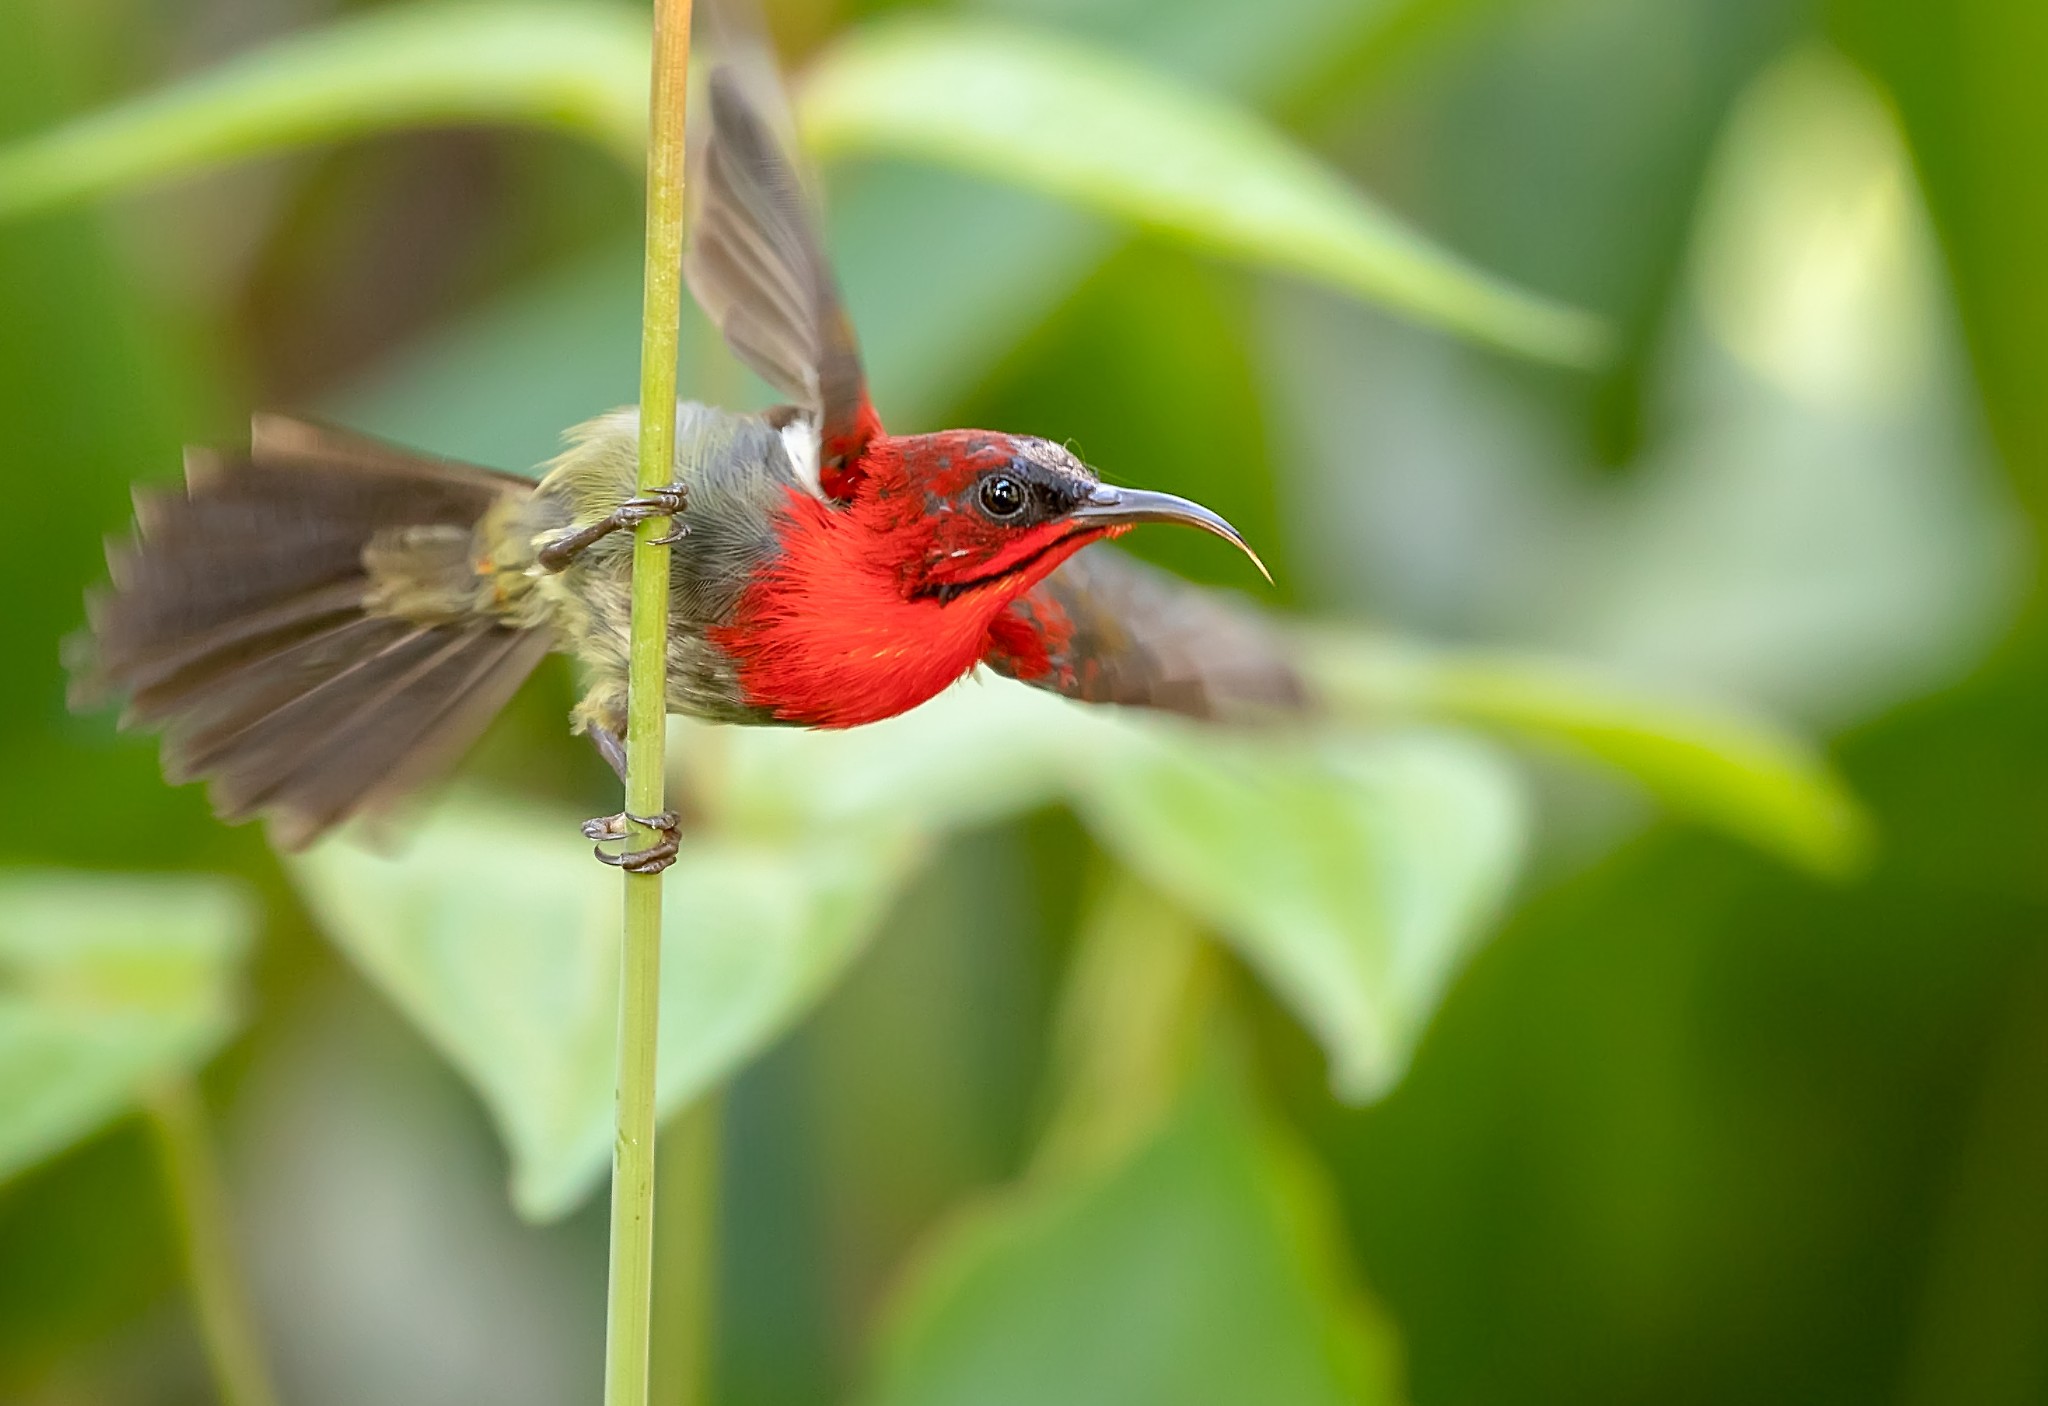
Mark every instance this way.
x=605 y=829
x=611 y=747
x=656 y=502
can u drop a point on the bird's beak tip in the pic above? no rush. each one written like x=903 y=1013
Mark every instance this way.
x=1125 y=507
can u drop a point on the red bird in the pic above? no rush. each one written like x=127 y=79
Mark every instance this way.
x=324 y=623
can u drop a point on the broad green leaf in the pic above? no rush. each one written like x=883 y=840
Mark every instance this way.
x=497 y=934
x=1719 y=767
x=581 y=69
x=1195 y=1274
x=1354 y=874
x=107 y=983
x=1049 y=115
x=1029 y=109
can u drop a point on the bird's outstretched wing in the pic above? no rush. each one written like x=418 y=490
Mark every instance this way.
x=758 y=270
x=1106 y=628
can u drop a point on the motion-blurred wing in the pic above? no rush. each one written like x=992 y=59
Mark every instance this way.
x=1106 y=628
x=243 y=621
x=756 y=267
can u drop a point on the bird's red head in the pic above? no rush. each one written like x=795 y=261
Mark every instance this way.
x=877 y=603
x=973 y=518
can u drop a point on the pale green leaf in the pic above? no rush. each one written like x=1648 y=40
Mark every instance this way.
x=1717 y=766
x=982 y=750
x=1030 y=109
x=580 y=69
x=1195 y=1274
x=107 y=983
x=498 y=935
x=1354 y=874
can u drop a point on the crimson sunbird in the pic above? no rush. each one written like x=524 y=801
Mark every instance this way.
x=323 y=623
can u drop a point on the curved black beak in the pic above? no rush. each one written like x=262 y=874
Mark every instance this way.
x=1120 y=507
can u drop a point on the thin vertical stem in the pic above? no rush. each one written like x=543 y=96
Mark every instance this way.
x=687 y=1254
x=199 y=1204
x=629 y=1305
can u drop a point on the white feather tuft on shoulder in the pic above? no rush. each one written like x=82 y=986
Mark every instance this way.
x=800 y=442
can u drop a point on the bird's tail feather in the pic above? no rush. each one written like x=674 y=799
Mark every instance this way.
x=242 y=621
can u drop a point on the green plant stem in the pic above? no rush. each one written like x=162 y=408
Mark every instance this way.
x=199 y=1204
x=686 y=1254
x=630 y=1301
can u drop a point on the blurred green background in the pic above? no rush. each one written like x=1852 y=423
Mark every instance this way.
x=1688 y=1125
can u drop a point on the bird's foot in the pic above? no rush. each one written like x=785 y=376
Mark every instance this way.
x=607 y=829
x=666 y=502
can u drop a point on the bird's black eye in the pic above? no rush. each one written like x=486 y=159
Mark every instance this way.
x=1002 y=496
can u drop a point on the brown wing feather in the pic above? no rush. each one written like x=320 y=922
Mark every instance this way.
x=239 y=622
x=1106 y=628
x=285 y=442
x=756 y=267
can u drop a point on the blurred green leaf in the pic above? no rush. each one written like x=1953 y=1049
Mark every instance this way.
x=581 y=69
x=107 y=982
x=1198 y=1272
x=1720 y=767
x=1964 y=80
x=984 y=749
x=1024 y=108
x=1814 y=526
x=1823 y=528
x=1265 y=840
x=1074 y=122
x=497 y=934
x=74 y=323
x=1354 y=874
x=915 y=243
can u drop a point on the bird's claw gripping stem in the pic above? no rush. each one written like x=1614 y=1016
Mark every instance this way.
x=651 y=860
x=665 y=502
